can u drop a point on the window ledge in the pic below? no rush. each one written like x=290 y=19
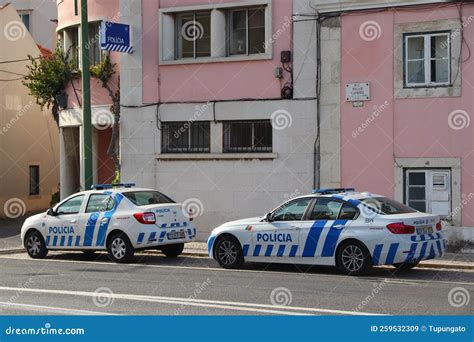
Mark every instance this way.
x=216 y=156
x=257 y=57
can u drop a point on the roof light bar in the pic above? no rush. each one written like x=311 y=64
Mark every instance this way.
x=110 y=186
x=332 y=191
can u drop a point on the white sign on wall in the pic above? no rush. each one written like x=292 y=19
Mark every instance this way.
x=358 y=91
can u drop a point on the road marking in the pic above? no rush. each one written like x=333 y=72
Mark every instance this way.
x=52 y=309
x=226 y=305
x=200 y=268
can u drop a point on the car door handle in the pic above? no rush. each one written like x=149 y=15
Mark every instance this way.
x=73 y=221
x=338 y=226
x=105 y=219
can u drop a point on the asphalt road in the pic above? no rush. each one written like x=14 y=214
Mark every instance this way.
x=72 y=283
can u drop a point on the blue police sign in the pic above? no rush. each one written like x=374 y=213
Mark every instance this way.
x=115 y=37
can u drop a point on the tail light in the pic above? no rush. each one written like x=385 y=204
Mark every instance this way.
x=145 y=218
x=439 y=226
x=400 y=228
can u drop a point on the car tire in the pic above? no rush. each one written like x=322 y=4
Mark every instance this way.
x=120 y=249
x=172 y=251
x=353 y=258
x=228 y=252
x=406 y=266
x=35 y=245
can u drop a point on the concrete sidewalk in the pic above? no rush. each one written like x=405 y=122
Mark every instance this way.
x=10 y=243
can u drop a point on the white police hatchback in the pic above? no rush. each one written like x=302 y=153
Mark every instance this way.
x=118 y=218
x=335 y=227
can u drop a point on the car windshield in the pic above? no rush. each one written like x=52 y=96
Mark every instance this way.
x=386 y=206
x=141 y=198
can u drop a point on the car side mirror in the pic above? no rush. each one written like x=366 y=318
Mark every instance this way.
x=51 y=212
x=269 y=217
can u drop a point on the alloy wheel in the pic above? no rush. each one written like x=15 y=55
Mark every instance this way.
x=352 y=258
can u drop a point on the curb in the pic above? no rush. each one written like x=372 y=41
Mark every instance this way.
x=11 y=251
x=449 y=266
x=204 y=255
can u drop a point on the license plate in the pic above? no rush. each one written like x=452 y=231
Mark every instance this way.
x=424 y=230
x=176 y=235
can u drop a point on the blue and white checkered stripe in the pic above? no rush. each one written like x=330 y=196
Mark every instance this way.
x=161 y=236
x=321 y=241
x=95 y=230
x=421 y=250
x=118 y=48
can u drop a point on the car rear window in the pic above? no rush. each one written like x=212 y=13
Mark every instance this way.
x=386 y=206
x=141 y=198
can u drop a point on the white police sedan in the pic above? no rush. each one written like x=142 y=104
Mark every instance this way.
x=118 y=218
x=335 y=227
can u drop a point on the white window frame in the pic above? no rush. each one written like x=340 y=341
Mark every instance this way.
x=429 y=186
x=427 y=59
x=167 y=33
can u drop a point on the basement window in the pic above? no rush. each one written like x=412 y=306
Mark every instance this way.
x=186 y=137
x=247 y=136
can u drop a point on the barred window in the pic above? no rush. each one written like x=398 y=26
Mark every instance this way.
x=248 y=136
x=186 y=137
x=34 y=180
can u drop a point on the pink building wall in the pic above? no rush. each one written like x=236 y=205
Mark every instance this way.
x=406 y=127
x=230 y=80
x=97 y=10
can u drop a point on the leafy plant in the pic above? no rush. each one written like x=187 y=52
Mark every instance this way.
x=104 y=70
x=47 y=80
x=48 y=77
x=55 y=198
